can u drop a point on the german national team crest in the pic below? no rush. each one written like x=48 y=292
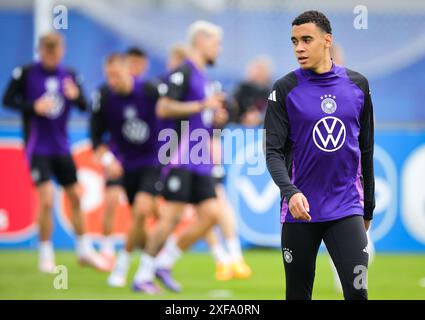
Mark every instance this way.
x=52 y=86
x=134 y=129
x=328 y=103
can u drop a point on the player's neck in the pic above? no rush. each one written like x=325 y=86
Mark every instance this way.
x=323 y=67
x=127 y=87
x=196 y=57
x=48 y=68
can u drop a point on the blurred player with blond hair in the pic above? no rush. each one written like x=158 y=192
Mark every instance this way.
x=44 y=92
x=229 y=259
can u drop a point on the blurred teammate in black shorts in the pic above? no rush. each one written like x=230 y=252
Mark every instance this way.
x=124 y=133
x=44 y=92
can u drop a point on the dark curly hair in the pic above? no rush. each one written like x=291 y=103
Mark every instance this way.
x=316 y=17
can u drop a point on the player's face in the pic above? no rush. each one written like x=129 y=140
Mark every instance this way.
x=112 y=75
x=211 y=45
x=116 y=73
x=138 y=65
x=51 y=53
x=310 y=45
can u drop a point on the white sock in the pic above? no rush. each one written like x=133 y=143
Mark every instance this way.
x=84 y=245
x=108 y=245
x=234 y=247
x=219 y=253
x=46 y=250
x=123 y=262
x=168 y=255
x=146 y=270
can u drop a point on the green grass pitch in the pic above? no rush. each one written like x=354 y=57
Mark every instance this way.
x=390 y=277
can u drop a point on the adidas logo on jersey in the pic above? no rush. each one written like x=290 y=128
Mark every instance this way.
x=272 y=96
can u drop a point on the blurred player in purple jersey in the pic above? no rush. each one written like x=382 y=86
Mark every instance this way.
x=138 y=64
x=229 y=258
x=185 y=181
x=44 y=92
x=124 y=117
x=319 y=151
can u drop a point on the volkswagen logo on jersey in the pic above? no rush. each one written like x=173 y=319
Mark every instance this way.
x=329 y=134
x=52 y=92
x=134 y=129
x=328 y=103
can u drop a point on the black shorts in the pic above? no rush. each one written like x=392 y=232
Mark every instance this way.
x=145 y=179
x=346 y=242
x=185 y=186
x=43 y=168
x=115 y=182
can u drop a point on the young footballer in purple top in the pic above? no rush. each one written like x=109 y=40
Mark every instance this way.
x=44 y=93
x=124 y=116
x=319 y=149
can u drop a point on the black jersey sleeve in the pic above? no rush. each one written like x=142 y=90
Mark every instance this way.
x=81 y=101
x=15 y=97
x=154 y=89
x=178 y=83
x=278 y=148
x=366 y=144
x=97 y=118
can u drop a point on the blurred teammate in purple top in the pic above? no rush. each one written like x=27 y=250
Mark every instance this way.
x=124 y=117
x=229 y=259
x=44 y=92
x=186 y=181
x=138 y=63
x=319 y=151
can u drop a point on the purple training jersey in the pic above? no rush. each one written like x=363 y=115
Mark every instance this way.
x=189 y=83
x=130 y=124
x=45 y=135
x=319 y=141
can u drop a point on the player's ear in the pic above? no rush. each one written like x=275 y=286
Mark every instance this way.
x=328 y=40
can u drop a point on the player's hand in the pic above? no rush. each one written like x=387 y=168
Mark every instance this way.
x=215 y=101
x=114 y=170
x=367 y=224
x=299 y=207
x=44 y=105
x=70 y=89
x=221 y=116
x=252 y=117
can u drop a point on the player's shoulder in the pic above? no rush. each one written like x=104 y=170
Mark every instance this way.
x=181 y=74
x=153 y=87
x=20 y=72
x=358 y=78
x=103 y=89
x=286 y=83
x=70 y=70
x=78 y=78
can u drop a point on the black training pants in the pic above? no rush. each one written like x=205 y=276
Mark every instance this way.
x=346 y=242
